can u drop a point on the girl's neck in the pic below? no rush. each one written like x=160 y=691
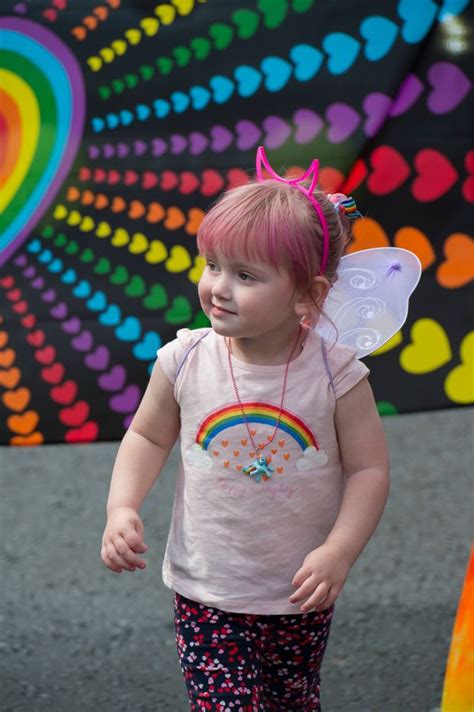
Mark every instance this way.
x=269 y=351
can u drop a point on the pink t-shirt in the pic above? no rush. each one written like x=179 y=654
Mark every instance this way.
x=237 y=540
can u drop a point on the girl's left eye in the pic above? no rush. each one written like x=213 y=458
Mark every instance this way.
x=245 y=277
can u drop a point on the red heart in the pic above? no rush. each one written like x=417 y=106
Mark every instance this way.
x=169 y=180
x=390 y=170
x=188 y=182
x=436 y=175
x=212 y=182
x=468 y=185
x=50 y=14
x=7 y=282
x=149 y=180
x=28 y=321
x=129 y=178
x=75 y=415
x=64 y=393
x=53 y=374
x=20 y=307
x=357 y=176
x=85 y=434
x=46 y=355
x=113 y=177
x=236 y=177
x=99 y=175
x=13 y=295
x=84 y=173
x=36 y=338
x=60 y=4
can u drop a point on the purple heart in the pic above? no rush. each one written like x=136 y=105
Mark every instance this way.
x=98 y=359
x=108 y=151
x=450 y=86
x=49 y=296
x=59 y=311
x=408 y=92
x=20 y=8
x=38 y=283
x=114 y=380
x=20 y=261
x=248 y=134
x=139 y=148
x=221 y=138
x=277 y=131
x=122 y=150
x=83 y=341
x=377 y=107
x=309 y=125
x=178 y=144
x=158 y=147
x=127 y=401
x=343 y=121
x=198 y=142
x=93 y=151
x=29 y=272
x=72 y=325
x=127 y=420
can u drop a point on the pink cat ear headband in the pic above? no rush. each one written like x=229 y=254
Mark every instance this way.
x=341 y=202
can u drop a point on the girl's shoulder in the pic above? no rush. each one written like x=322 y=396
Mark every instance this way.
x=343 y=368
x=172 y=355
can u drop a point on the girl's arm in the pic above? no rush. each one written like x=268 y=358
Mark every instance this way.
x=365 y=462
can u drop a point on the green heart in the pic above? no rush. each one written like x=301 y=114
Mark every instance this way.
x=118 y=86
x=201 y=47
x=247 y=22
x=103 y=266
x=147 y=72
x=164 y=64
x=386 y=408
x=87 y=256
x=136 y=287
x=273 y=11
x=72 y=248
x=180 y=311
x=60 y=240
x=105 y=92
x=302 y=5
x=200 y=320
x=47 y=232
x=119 y=275
x=156 y=297
x=182 y=55
x=221 y=34
x=131 y=80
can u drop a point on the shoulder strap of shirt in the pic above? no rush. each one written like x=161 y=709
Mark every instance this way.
x=188 y=351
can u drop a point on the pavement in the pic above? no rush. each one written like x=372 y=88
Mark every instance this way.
x=75 y=637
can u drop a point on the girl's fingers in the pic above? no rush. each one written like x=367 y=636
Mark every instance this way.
x=108 y=562
x=304 y=590
x=319 y=595
x=134 y=541
x=128 y=558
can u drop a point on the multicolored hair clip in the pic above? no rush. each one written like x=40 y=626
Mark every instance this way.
x=345 y=204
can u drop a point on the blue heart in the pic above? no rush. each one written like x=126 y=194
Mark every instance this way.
x=380 y=34
x=129 y=329
x=419 y=17
x=142 y=111
x=126 y=117
x=98 y=125
x=34 y=246
x=112 y=316
x=147 y=348
x=69 y=276
x=200 y=97
x=222 y=88
x=162 y=108
x=308 y=61
x=342 y=50
x=82 y=289
x=97 y=302
x=55 y=266
x=45 y=257
x=112 y=121
x=277 y=72
x=248 y=80
x=452 y=7
x=180 y=101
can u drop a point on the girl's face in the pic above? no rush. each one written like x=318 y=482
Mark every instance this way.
x=247 y=299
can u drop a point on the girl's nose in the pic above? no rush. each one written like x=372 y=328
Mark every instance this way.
x=221 y=287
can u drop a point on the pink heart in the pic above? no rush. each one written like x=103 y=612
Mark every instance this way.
x=248 y=134
x=343 y=121
x=308 y=125
x=277 y=131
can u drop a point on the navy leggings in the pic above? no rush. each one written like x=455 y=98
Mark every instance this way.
x=242 y=662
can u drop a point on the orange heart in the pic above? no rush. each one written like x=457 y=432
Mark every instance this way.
x=156 y=212
x=226 y=463
x=251 y=455
x=253 y=432
x=3 y=338
x=17 y=400
x=137 y=209
x=458 y=267
x=90 y=22
x=410 y=238
x=80 y=33
x=23 y=424
x=114 y=4
x=367 y=233
x=244 y=441
x=274 y=451
x=195 y=216
x=281 y=443
x=10 y=378
x=238 y=467
x=101 y=201
x=87 y=197
x=35 y=438
x=280 y=470
x=216 y=452
x=73 y=193
x=101 y=12
x=286 y=455
x=236 y=453
x=118 y=204
x=224 y=443
x=330 y=179
x=7 y=358
x=174 y=218
x=261 y=446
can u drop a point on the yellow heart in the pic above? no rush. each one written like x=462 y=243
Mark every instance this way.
x=138 y=244
x=74 y=218
x=156 y=253
x=165 y=13
x=150 y=26
x=459 y=383
x=119 y=47
x=103 y=229
x=87 y=224
x=184 y=6
x=95 y=63
x=430 y=348
x=195 y=273
x=395 y=340
x=120 y=237
x=179 y=259
x=133 y=36
x=60 y=212
x=107 y=54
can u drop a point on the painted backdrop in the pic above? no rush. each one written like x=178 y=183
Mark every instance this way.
x=121 y=122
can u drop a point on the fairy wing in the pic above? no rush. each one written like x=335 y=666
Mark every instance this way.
x=368 y=303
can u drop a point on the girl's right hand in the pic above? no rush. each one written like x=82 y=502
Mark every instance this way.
x=122 y=541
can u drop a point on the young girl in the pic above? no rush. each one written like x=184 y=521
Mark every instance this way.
x=284 y=471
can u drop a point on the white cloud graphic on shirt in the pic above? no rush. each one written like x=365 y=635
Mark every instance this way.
x=199 y=457
x=311 y=458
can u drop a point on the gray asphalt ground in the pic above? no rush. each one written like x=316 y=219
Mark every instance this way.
x=75 y=637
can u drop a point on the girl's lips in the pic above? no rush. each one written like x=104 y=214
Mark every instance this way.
x=217 y=311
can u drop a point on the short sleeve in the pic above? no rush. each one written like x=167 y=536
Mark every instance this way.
x=345 y=368
x=171 y=355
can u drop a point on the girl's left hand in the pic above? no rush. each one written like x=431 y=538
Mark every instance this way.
x=321 y=577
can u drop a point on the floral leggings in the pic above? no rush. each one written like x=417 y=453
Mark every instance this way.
x=242 y=662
